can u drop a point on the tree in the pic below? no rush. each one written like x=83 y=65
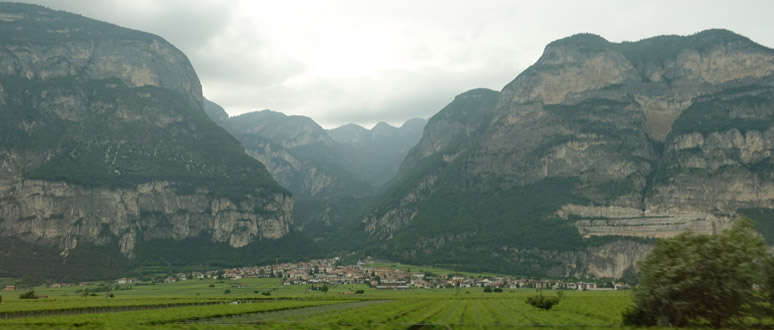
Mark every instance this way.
x=767 y=286
x=690 y=278
x=28 y=295
x=542 y=302
x=324 y=289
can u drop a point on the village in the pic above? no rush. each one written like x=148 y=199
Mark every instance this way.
x=331 y=272
x=320 y=272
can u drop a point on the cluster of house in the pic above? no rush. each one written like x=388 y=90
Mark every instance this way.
x=329 y=271
x=52 y=285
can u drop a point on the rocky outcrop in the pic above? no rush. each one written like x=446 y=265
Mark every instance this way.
x=604 y=261
x=60 y=214
x=301 y=176
x=105 y=142
x=43 y=44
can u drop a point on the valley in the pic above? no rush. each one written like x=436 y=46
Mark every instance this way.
x=566 y=180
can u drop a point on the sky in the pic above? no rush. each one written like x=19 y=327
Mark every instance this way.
x=365 y=61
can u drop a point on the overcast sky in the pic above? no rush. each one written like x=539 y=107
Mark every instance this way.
x=364 y=61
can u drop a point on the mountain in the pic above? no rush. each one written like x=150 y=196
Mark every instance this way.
x=578 y=164
x=106 y=152
x=375 y=155
x=301 y=156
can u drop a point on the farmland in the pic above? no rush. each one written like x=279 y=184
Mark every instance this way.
x=204 y=304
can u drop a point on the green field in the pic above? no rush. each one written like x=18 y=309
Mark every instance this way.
x=193 y=304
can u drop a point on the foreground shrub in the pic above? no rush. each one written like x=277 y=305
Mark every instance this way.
x=692 y=279
x=28 y=295
x=542 y=302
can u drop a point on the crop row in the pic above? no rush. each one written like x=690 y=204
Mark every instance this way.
x=79 y=303
x=450 y=312
x=160 y=316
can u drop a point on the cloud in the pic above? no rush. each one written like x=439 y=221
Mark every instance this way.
x=341 y=61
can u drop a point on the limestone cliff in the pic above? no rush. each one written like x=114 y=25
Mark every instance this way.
x=105 y=142
x=646 y=139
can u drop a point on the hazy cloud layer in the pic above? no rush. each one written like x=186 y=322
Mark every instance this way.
x=369 y=61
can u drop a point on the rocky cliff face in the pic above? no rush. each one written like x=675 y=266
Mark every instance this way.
x=648 y=139
x=105 y=142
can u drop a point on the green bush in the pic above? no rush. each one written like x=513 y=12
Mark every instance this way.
x=211 y=285
x=699 y=279
x=543 y=302
x=487 y=289
x=227 y=291
x=498 y=290
x=28 y=295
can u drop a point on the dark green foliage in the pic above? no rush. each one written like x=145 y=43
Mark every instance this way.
x=360 y=292
x=700 y=278
x=660 y=49
x=40 y=26
x=310 y=214
x=211 y=285
x=28 y=295
x=325 y=288
x=293 y=246
x=714 y=113
x=584 y=42
x=498 y=290
x=656 y=50
x=637 y=317
x=767 y=282
x=227 y=291
x=469 y=107
x=629 y=276
x=488 y=290
x=543 y=302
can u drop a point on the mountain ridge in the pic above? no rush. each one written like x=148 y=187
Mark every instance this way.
x=583 y=149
